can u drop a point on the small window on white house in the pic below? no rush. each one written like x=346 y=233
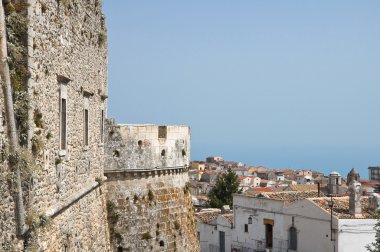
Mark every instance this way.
x=63 y=116
x=86 y=121
x=246 y=228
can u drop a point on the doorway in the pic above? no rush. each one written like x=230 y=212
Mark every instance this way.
x=269 y=235
x=222 y=241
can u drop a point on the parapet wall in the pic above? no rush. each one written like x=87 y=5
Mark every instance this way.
x=146 y=147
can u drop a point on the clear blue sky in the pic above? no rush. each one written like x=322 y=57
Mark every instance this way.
x=284 y=84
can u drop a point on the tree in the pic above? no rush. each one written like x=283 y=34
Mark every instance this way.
x=11 y=122
x=225 y=186
x=375 y=246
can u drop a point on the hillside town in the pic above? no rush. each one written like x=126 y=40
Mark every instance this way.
x=285 y=210
x=72 y=179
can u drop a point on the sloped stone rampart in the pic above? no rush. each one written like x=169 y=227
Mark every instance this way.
x=151 y=213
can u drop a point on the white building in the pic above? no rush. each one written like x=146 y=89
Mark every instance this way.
x=294 y=221
x=300 y=221
x=305 y=179
x=279 y=176
x=259 y=222
x=312 y=221
x=214 y=230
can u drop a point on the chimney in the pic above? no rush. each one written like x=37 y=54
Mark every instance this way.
x=319 y=189
x=226 y=209
x=355 y=206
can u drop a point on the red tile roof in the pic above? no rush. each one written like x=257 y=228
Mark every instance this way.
x=289 y=196
x=208 y=215
x=229 y=217
x=341 y=207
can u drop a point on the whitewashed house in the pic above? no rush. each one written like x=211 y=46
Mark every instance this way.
x=279 y=176
x=305 y=179
x=259 y=221
x=301 y=221
x=311 y=219
x=214 y=230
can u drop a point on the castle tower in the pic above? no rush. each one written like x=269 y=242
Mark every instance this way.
x=147 y=171
x=334 y=183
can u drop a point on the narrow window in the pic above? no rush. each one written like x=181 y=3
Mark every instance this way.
x=63 y=124
x=101 y=126
x=246 y=228
x=293 y=238
x=102 y=122
x=1 y=123
x=86 y=121
x=63 y=115
x=86 y=127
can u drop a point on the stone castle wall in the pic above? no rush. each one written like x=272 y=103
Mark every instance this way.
x=149 y=205
x=63 y=198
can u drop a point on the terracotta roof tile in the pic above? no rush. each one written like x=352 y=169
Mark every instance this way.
x=208 y=215
x=304 y=187
x=257 y=190
x=341 y=207
x=229 y=217
x=290 y=196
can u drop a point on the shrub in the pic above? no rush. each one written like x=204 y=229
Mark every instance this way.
x=146 y=236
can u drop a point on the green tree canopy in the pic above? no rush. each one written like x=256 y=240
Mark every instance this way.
x=225 y=186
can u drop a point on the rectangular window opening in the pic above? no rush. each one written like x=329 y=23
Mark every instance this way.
x=86 y=127
x=63 y=124
x=162 y=131
x=102 y=126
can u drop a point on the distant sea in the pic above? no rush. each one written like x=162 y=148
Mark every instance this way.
x=320 y=158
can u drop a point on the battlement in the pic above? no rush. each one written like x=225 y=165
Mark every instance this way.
x=146 y=148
